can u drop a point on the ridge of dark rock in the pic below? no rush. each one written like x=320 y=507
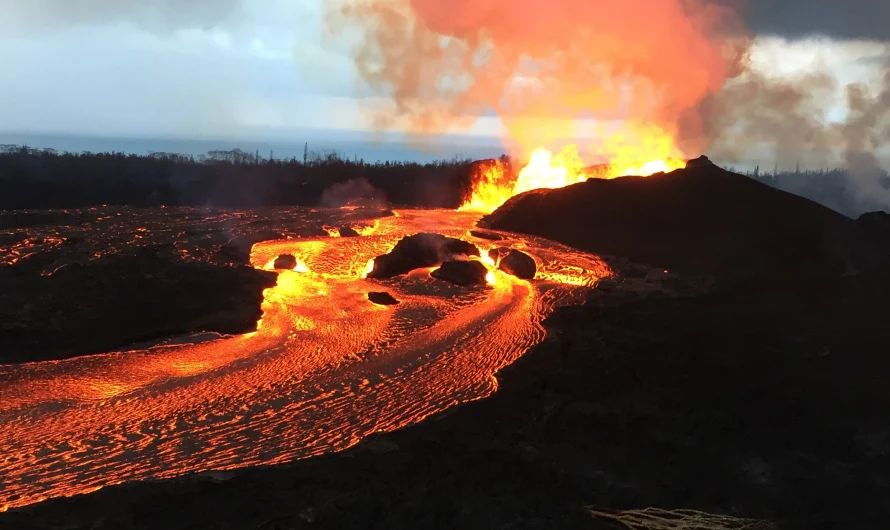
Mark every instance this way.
x=701 y=220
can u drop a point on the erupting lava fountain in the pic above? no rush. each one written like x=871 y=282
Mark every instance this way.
x=493 y=185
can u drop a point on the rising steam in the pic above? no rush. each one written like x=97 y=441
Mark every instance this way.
x=788 y=117
x=357 y=191
x=866 y=131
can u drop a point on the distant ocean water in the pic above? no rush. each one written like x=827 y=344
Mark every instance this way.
x=346 y=144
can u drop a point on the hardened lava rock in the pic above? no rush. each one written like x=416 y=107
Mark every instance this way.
x=490 y=236
x=518 y=264
x=464 y=273
x=237 y=250
x=285 y=262
x=420 y=251
x=382 y=298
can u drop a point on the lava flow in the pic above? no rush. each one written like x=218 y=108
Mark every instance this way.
x=325 y=368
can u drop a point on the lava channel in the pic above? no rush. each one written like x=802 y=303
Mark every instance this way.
x=325 y=368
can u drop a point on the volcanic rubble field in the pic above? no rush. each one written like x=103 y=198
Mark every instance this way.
x=735 y=364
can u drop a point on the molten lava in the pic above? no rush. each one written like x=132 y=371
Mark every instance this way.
x=546 y=171
x=369 y=267
x=637 y=150
x=640 y=150
x=325 y=368
x=492 y=187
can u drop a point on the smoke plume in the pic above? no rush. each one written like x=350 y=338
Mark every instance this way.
x=541 y=66
x=864 y=133
x=679 y=66
x=787 y=117
x=355 y=192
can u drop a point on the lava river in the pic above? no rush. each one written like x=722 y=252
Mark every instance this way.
x=325 y=368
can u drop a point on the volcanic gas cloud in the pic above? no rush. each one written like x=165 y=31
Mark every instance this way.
x=625 y=75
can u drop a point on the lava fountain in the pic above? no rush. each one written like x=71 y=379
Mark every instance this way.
x=493 y=186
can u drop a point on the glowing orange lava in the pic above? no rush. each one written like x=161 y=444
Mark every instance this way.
x=625 y=150
x=369 y=268
x=546 y=171
x=640 y=150
x=325 y=368
x=368 y=230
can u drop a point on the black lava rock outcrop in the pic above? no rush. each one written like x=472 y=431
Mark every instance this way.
x=465 y=273
x=285 y=262
x=117 y=301
x=237 y=250
x=309 y=231
x=346 y=231
x=490 y=236
x=419 y=251
x=382 y=298
x=700 y=162
x=519 y=264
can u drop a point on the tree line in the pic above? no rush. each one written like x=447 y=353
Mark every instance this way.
x=837 y=188
x=45 y=178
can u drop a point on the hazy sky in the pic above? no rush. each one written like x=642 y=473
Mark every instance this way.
x=259 y=68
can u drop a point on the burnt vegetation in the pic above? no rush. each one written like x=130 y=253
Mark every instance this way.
x=44 y=179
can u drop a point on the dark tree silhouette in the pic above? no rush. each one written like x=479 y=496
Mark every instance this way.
x=44 y=178
x=834 y=188
x=33 y=178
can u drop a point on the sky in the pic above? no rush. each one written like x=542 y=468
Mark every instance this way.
x=262 y=69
